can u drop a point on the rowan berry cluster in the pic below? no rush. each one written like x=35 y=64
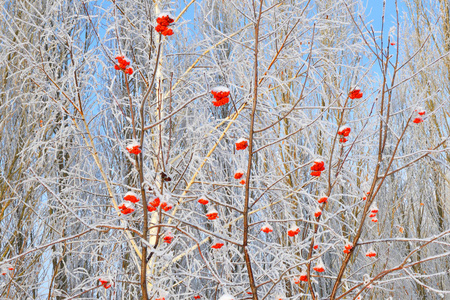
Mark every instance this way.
x=266 y=228
x=220 y=94
x=126 y=208
x=164 y=20
x=348 y=246
x=343 y=132
x=318 y=167
x=294 y=230
x=123 y=64
x=134 y=148
x=355 y=93
x=319 y=267
x=373 y=212
x=420 y=112
x=105 y=283
x=241 y=144
x=371 y=253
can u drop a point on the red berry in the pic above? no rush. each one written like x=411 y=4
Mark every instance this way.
x=203 y=201
x=129 y=71
x=241 y=144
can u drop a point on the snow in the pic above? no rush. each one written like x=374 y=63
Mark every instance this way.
x=374 y=208
x=126 y=59
x=241 y=140
x=367 y=281
x=220 y=89
x=166 y=13
x=320 y=263
x=268 y=226
x=371 y=252
x=294 y=227
x=133 y=144
x=130 y=193
x=127 y=204
x=212 y=211
x=227 y=297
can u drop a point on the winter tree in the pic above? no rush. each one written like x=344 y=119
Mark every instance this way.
x=224 y=150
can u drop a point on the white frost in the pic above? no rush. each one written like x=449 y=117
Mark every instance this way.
x=220 y=89
x=226 y=297
x=166 y=13
x=131 y=194
x=241 y=140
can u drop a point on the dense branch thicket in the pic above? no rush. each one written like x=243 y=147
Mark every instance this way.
x=224 y=150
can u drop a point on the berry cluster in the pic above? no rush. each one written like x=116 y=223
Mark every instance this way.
x=317 y=168
x=166 y=205
x=105 y=283
x=303 y=276
x=317 y=212
x=131 y=196
x=241 y=144
x=373 y=212
x=168 y=238
x=319 y=267
x=134 y=148
x=323 y=199
x=348 y=246
x=123 y=64
x=294 y=230
x=239 y=173
x=420 y=113
x=212 y=214
x=220 y=94
x=343 y=132
x=296 y=280
x=126 y=208
x=153 y=205
x=355 y=93
x=371 y=253
x=203 y=200
x=266 y=228
x=6 y=268
x=217 y=245
x=364 y=197
x=164 y=20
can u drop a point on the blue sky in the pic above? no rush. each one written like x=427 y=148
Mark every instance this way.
x=375 y=9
